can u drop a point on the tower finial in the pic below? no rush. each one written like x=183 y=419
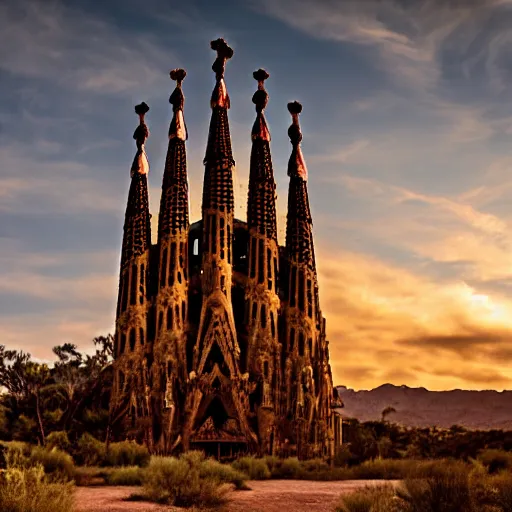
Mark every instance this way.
x=140 y=163
x=260 y=99
x=220 y=96
x=296 y=164
x=178 y=128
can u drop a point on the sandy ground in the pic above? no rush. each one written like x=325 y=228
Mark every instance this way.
x=264 y=496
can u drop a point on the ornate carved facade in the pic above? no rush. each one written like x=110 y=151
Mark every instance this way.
x=220 y=341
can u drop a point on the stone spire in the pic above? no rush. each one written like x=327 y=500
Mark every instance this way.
x=137 y=226
x=131 y=379
x=218 y=386
x=170 y=364
x=262 y=301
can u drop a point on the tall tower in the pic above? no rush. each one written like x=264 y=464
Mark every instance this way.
x=302 y=317
x=131 y=378
x=219 y=401
x=262 y=301
x=170 y=364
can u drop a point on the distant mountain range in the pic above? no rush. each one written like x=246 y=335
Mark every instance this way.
x=419 y=407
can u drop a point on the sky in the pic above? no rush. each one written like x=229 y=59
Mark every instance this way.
x=407 y=123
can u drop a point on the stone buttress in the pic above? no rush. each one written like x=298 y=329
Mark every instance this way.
x=169 y=370
x=218 y=402
x=131 y=403
x=261 y=296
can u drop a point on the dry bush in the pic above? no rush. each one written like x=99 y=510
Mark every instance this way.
x=29 y=490
x=55 y=462
x=381 y=498
x=178 y=482
x=495 y=460
x=255 y=469
x=127 y=453
x=125 y=475
x=223 y=473
x=58 y=439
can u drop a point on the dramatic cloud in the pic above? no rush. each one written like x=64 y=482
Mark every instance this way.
x=407 y=123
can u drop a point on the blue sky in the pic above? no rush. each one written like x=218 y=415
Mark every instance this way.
x=407 y=125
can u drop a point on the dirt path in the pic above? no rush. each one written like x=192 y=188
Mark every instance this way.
x=264 y=496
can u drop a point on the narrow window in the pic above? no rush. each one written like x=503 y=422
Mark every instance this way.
x=276 y=276
x=172 y=264
x=261 y=266
x=183 y=311
x=254 y=311
x=293 y=286
x=177 y=314
x=301 y=290
x=123 y=343
x=169 y=318
x=253 y=257
x=310 y=300
x=292 y=339
x=301 y=344
x=213 y=234
x=163 y=275
x=179 y=277
x=310 y=347
x=124 y=296
x=160 y=320
x=265 y=369
x=133 y=285
x=263 y=316
x=141 y=336
x=132 y=339
x=182 y=252
x=121 y=380
x=272 y=324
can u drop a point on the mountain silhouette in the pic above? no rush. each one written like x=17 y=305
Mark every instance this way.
x=419 y=407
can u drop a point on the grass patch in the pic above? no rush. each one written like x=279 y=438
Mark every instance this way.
x=371 y=499
x=128 y=475
x=25 y=489
x=255 y=469
x=126 y=453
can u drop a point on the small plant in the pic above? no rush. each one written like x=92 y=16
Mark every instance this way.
x=127 y=453
x=371 y=499
x=495 y=460
x=255 y=469
x=212 y=469
x=89 y=451
x=58 y=439
x=128 y=475
x=179 y=482
x=289 y=468
x=55 y=462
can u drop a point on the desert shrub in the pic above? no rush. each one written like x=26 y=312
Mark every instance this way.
x=255 y=469
x=344 y=457
x=89 y=451
x=389 y=469
x=178 y=482
x=223 y=473
x=126 y=475
x=91 y=475
x=29 y=490
x=271 y=461
x=371 y=499
x=54 y=462
x=58 y=439
x=13 y=453
x=446 y=489
x=288 y=468
x=495 y=460
x=127 y=453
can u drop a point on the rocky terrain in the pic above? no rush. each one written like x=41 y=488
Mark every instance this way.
x=419 y=407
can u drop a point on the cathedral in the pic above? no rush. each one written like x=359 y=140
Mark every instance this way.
x=220 y=341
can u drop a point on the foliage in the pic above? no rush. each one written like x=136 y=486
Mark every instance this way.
x=495 y=460
x=29 y=490
x=126 y=475
x=178 y=482
x=89 y=451
x=58 y=439
x=54 y=461
x=370 y=499
x=214 y=470
x=255 y=469
x=69 y=396
x=126 y=453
